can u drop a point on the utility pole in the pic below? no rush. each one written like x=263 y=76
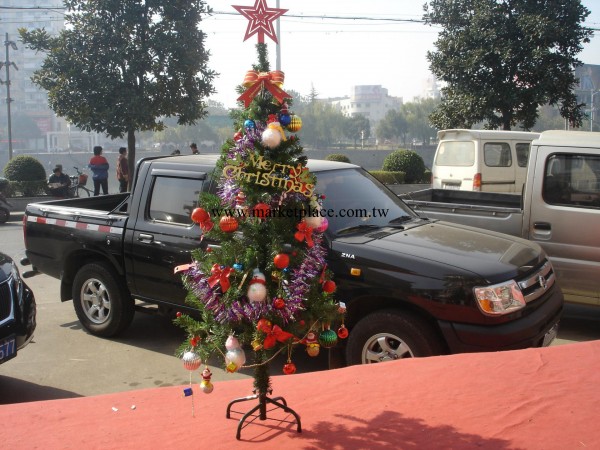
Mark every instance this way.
x=7 y=63
x=278 y=45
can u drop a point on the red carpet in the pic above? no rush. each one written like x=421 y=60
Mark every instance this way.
x=529 y=399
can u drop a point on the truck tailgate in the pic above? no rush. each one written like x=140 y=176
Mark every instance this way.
x=53 y=234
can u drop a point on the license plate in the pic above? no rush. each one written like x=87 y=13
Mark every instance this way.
x=8 y=349
x=451 y=186
x=550 y=335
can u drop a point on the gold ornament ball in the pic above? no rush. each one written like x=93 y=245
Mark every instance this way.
x=295 y=123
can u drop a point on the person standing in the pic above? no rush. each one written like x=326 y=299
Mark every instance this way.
x=99 y=166
x=194 y=148
x=123 y=170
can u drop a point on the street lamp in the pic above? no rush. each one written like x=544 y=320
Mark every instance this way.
x=7 y=63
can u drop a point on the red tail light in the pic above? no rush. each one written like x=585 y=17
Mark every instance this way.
x=477 y=182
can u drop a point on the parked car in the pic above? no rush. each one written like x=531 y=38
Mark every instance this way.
x=17 y=310
x=481 y=160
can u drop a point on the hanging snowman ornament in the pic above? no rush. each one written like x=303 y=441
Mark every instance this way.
x=273 y=134
x=257 y=290
x=235 y=356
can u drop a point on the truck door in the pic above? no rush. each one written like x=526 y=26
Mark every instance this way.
x=163 y=234
x=565 y=218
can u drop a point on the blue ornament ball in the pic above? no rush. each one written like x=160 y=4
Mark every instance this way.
x=249 y=124
x=238 y=267
x=284 y=119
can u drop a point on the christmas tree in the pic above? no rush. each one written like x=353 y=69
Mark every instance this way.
x=266 y=288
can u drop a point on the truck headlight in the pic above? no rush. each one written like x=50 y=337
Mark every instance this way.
x=500 y=298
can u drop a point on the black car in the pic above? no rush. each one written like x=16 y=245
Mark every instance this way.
x=17 y=310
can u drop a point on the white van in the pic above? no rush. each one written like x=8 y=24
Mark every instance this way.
x=481 y=160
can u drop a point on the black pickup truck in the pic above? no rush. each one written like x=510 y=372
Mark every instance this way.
x=412 y=286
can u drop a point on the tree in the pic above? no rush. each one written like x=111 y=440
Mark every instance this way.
x=393 y=126
x=121 y=66
x=502 y=59
x=266 y=285
x=357 y=127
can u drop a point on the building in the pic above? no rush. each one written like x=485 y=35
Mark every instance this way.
x=29 y=105
x=371 y=101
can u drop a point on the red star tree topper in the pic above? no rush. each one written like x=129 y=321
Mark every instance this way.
x=260 y=18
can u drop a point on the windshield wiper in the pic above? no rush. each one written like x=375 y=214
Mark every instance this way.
x=356 y=228
x=399 y=220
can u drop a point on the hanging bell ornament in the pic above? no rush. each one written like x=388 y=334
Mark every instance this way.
x=191 y=361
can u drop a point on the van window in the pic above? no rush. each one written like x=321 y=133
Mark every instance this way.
x=455 y=153
x=497 y=154
x=523 y=153
x=174 y=199
x=572 y=180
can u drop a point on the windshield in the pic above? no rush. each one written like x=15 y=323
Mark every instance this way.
x=353 y=198
x=455 y=153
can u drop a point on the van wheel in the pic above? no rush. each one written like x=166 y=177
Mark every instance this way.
x=103 y=305
x=390 y=335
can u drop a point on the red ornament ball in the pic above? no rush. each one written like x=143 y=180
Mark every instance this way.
x=228 y=224
x=279 y=303
x=237 y=136
x=263 y=325
x=194 y=341
x=329 y=286
x=178 y=314
x=261 y=211
x=342 y=332
x=200 y=215
x=281 y=261
x=289 y=368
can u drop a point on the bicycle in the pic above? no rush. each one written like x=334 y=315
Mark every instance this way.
x=78 y=182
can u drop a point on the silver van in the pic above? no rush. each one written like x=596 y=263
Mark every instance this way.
x=481 y=160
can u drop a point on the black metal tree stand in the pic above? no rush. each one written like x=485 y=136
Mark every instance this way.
x=262 y=390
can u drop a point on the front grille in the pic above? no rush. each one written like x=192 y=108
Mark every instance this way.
x=537 y=283
x=6 y=300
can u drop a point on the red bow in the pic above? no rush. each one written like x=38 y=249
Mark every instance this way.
x=220 y=276
x=304 y=233
x=274 y=335
x=263 y=80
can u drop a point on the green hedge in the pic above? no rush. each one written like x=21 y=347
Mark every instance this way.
x=337 y=157
x=388 y=177
x=26 y=188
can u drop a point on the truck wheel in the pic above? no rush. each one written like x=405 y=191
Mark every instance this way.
x=389 y=335
x=102 y=305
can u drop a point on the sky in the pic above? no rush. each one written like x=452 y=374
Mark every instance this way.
x=331 y=55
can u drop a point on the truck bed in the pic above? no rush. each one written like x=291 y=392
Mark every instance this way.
x=501 y=212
